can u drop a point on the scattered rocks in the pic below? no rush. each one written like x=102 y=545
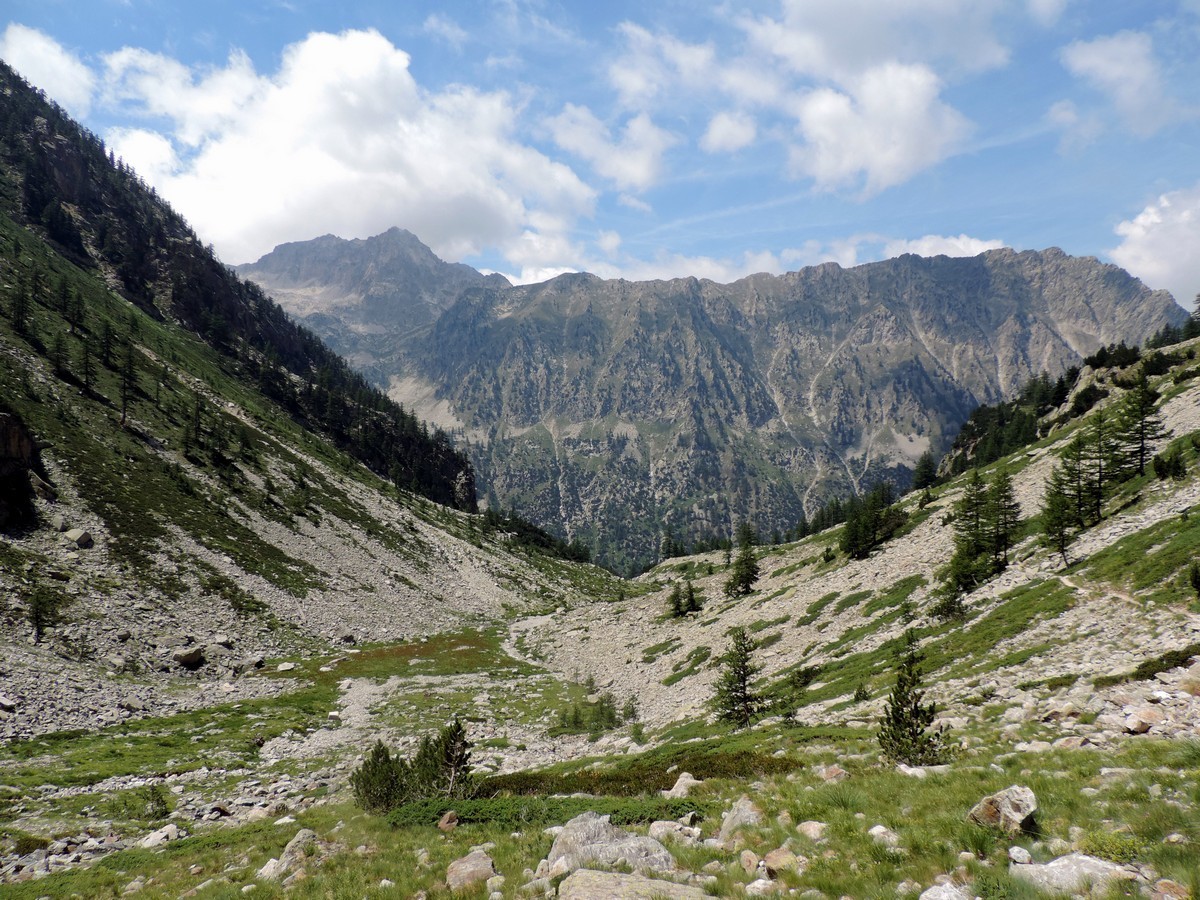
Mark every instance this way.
x=1010 y=810
x=590 y=839
x=169 y=832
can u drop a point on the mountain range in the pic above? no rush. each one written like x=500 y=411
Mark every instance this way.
x=618 y=412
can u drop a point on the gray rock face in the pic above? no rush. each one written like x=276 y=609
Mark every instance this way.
x=589 y=839
x=743 y=813
x=586 y=884
x=683 y=785
x=476 y=866
x=1011 y=810
x=293 y=856
x=810 y=376
x=1073 y=874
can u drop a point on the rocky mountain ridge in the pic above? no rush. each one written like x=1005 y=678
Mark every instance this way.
x=617 y=412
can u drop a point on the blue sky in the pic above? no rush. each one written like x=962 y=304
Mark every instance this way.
x=651 y=140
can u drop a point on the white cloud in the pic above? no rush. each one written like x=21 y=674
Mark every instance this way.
x=446 y=29
x=728 y=132
x=46 y=64
x=1078 y=130
x=887 y=128
x=633 y=162
x=1046 y=12
x=342 y=139
x=650 y=62
x=940 y=245
x=609 y=242
x=1124 y=67
x=151 y=154
x=1159 y=244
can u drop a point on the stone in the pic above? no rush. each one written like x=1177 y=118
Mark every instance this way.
x=884 y=836
x=590 y=839
x=586 y=884
x=1165 y=889
x=1072 y=874
x=80 y=538
x=189 y=657
x=749 y=861
x=7 y=704
x=296 y=851
x=169 y=832
x=814 y=831
x=946 y=892
x=1142 y=720
x=683 y=785
x=763 y=887
x=476 y=866
x=1010 y=810
x=1020 y=856
x=286 y=667
x=673 y=831
x=744 y=813
x=783 y=860
x=448 y=822
x=832 y=773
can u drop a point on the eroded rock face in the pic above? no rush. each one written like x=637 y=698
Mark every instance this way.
x=1073 y=874
x=18 y=455
x=589 y=839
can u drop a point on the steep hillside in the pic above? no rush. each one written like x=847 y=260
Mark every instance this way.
x=618 y=412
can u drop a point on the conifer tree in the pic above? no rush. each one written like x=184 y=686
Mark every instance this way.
x=744 y=574
x=675 y=605
x=735 y=700
x=969 y=565
x=1058 y=514
x=925 y=472
x=1139 y=424
x=1003 y=514
x=691 y=600
x=905 y=734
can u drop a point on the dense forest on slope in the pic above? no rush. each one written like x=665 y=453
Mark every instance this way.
x=57 y=179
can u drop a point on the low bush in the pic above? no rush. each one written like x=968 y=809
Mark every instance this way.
x=524 y=810
x=1113 y=846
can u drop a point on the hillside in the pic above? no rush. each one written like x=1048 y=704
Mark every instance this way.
x=618 y=412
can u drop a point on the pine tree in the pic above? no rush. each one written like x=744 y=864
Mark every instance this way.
x=735 y=700
x=971 y=560
x=1077 y=479
x=1003 y=514
x=905 y=735
x=1058 y=514
x=691 y=600
x=379 y=783
x=744 y=574
x=675 y=605
x=1101 y=451
x=1139 y=425
x=925 y=472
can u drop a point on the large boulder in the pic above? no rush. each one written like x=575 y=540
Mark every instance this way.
x=294 y=854
x=1073 y=874
x=743 y=814
x=471 y=869
x=189 y=657
x=683 y=786
x=1011 y=810
x=80 y=538
x=589 y=839
x=587 y=884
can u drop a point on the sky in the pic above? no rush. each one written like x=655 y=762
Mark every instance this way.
x=650 y=140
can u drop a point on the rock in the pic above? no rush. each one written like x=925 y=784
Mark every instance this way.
x=189 y=657
x=763 y=887
x=884 y=836
x=1011 y=810
x=814 y=831
x=296 y=851
x=1165 y=889
x=590 y=839
x=832 y=773
x=8 y=705
x=80 y=538
x=476 y=866
x=1020 y=856
x=539 y=887
x=749 y=861
x=58 y=523
x=683 y=785
x=783 y=860
x=286 y=667
x=169 y=832
x=116 y=662
x=1142 y=720
x=946 y=892
x=586 y=884
x=743 y=813
x=448 y=822
x=673 y=831
x=1073 y=874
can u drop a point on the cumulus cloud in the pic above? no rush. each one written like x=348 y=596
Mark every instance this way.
x=1123 y=66
x=1046 y=12
x=446 y=29
x=632 y=162
x=887 y=128
x=728 y=132
x=941 y=245
x=1158 y=244
x=46 y=64
x=342 y=139
x=651 y=61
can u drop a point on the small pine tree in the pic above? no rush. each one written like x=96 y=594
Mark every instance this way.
x=1058 y=514
x=691 y=600
x=735 y=700
x=379 y=783
x=905 y=735
x=1194 y=578
x=925 y=472
x=1003 y=518
x=43 y=604
x=675 y=604
x=1139 y=425
x=744 y=574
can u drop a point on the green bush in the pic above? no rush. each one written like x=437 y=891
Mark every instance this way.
x=1118 y=848
x=440 y=770
x=523 y=810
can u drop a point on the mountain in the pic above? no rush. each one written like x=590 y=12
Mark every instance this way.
x=618 y=412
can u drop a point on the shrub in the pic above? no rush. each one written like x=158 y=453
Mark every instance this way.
x=524 y=810
x=1113 y=846
x=441 y=769
x=905 y=735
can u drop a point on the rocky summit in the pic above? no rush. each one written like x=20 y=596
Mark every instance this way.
x=617 y=413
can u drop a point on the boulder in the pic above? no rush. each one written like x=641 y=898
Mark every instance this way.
x=590 y=839
x=1072 y=874
x=1011 y=810
x=814 y=831
x=169 y=832
x=80 y=538
x=946 y=892
x=783 y=860
x=471 y=869
x=296 y=851
x=189 y=657
x=683 y=785
x=763 y=887
x=1142 y=720
x=7 y=704
x=743 y=813
x=884 y=836
x=448 y=822
x=674 y=831
x=586 y=884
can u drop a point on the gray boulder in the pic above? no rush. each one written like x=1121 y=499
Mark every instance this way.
x=80 y=538
x=1011 y=810
x=471 y=869
x=586 y=884
x=297 y=850
x=946 y=892
x=683 y=786
x=589 y=839
x=1073 y=874
x=189 y=657
x=744 y=813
